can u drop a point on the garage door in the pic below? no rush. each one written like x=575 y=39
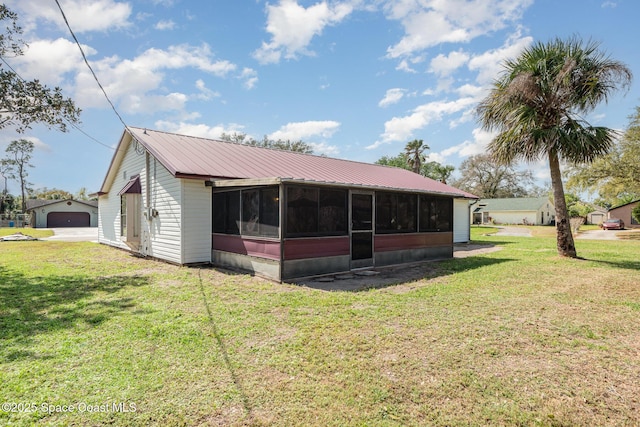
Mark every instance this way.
x=68 y=219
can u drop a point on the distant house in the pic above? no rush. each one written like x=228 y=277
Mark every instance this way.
x=597 y=216
x=623 y=212
x=522 y=210
x=278 y=214
x=62 y=213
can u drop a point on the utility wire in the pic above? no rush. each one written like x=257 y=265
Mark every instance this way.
x=84 y=57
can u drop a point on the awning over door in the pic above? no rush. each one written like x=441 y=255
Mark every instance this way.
x=132 y=187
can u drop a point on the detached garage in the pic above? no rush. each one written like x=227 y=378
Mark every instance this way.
x=62 y=213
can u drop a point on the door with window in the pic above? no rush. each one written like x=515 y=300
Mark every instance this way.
x=361 y=229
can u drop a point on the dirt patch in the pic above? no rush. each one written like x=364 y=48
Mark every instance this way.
x=387 y=276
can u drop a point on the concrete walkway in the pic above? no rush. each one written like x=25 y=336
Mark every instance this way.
x=74 y=234
x=513 y=231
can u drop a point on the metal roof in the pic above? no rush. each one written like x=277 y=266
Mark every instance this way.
x=195 y=157
x=512 y=204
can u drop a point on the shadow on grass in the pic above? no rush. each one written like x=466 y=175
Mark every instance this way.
x=624 y=264
x=394 y=276
x=30 y=306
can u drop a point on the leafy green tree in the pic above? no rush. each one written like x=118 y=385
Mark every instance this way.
x=280 y=144
x=437 y=171
x=414 y=151
x=487 y=178
x=399 y=161
x=23 y=103
x=537 y=105
x=18 y=158
x=635 y=213
x=615 y=176
x=50 y=194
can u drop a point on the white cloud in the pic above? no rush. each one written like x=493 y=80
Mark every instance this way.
x=432 y=22
x=250 y=77
x=489 y=64
x=392 y=96
x=305 y=130
x=444 y=65
x=50 y=60
x=83 y=15
x=292 y=27
x=204 y=92
x=198 y=130
x=402 y=128
x=478 y=145
x=165 y=25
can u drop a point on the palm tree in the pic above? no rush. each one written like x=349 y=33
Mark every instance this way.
x=537 y=105
x=414 y=152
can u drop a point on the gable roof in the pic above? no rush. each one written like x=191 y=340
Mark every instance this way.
x=208 y=159
x=625 y=204
x=38 y=203
x=512 y=204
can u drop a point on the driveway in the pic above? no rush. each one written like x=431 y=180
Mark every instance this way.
x=513 y=231
x=598 y=235
x=74 y=234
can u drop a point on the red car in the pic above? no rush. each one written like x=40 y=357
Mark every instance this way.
x=613 y=224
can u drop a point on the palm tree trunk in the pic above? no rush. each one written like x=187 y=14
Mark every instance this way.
x=566 y=245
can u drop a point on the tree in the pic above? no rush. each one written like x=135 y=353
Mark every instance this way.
x=615 y=176
x=414 y=151
x=536 y=105
x=51 y=194
x=487 y=178
x=286 y=145
x=18 y=157
x=437 y=171
x=23 y=103
x=399 y=161
x=635 y=213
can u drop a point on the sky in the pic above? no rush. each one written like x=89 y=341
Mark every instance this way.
x=356 y=79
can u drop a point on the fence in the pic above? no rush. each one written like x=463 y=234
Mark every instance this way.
x=15 y=220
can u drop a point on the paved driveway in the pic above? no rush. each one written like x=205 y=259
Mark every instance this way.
x=598 y=235
x=513 y=231
x=74 y=234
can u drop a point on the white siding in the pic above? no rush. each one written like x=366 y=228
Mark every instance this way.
x=109 y=204
x=164 y=234
x=196 y=226
x=461 y=226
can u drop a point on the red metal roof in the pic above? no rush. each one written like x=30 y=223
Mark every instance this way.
x=189 y=156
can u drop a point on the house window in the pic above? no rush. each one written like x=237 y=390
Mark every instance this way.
x=316 y=211
x=436 y=213
x=123 y=215
x=251 y=212
x=396 y=213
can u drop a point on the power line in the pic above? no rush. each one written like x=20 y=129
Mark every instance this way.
x=84 y=57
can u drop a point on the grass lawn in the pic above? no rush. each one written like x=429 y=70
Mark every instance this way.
x=513 y=337
x=33 y=232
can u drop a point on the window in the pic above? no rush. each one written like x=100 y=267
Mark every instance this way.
x=396 y=213
x=226 y=212
x=436 y=213
x=316 y=211
x=251 y=212
x=123 y=215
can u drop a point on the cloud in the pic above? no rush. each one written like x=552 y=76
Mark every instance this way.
x=165 y=25
x=402 y=128
x=430 y=23
x=478 y=145
x=132 y=82
x=444 y=65
x=50 y=60
x=250 y=77
x=392 y=96
x=83 y=15
x=490 y=63
x=305 y=130
x=292 y=27
x=198 y=130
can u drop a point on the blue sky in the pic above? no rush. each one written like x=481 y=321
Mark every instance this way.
x=357 y=79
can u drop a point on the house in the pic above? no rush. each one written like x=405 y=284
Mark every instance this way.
x=62 y=213
x=277 y=214
x=597 y=216
x=521 y=210
x=623 y=212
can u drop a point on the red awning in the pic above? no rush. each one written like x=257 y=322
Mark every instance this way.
x=132 y=187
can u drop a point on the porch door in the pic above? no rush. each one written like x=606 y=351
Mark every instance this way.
x=361 y=229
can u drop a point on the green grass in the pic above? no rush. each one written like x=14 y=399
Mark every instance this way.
x=514 y=337
x=33 y=232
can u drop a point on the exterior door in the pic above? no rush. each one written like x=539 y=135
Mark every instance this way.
x=361 y=230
